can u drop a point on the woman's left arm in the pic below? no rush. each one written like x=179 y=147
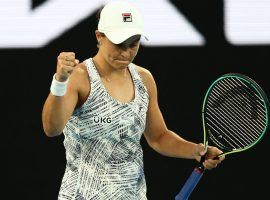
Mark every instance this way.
x=165 y=141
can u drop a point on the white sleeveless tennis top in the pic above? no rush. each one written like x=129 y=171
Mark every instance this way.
x=102 y=142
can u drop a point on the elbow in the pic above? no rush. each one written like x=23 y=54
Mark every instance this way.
x=153 y=143
x=156 y=142
x=51 y=128
x=51 y=132
x=155 y=146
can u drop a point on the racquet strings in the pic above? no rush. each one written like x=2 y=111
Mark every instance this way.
x=235 y=114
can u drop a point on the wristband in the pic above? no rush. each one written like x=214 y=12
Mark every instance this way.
x=58 y=88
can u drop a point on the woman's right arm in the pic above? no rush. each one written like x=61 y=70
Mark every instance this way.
x=58 y=109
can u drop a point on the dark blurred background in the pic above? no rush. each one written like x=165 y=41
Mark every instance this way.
x=34 y=164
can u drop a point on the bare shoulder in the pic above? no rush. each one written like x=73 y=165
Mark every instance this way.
x=145 y=74
x=147 y=79
x=80 y=82
x=80 y=69
x=79 y=72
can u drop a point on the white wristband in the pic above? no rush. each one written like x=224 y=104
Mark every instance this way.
x=58 y=88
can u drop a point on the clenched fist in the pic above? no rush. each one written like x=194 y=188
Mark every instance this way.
x=66 y=63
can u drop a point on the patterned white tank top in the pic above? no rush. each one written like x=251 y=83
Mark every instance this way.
x=102 y=143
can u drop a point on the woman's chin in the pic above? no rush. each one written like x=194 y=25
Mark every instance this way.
x=122 y=63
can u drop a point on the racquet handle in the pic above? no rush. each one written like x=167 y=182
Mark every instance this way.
x=190 y=184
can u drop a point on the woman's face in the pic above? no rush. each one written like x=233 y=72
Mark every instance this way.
x=119 y=55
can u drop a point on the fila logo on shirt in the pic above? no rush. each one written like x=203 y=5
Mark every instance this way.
x=127 y=17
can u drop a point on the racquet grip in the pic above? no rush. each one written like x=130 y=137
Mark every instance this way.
x=190 y=184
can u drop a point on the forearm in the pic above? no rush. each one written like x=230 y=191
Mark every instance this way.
x=54 y=115
x=172 y=145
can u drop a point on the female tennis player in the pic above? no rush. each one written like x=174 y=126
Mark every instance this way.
x=103 y=106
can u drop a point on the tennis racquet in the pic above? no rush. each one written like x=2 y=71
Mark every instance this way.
x=235 y=118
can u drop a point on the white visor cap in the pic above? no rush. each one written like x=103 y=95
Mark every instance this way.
x=119 y=21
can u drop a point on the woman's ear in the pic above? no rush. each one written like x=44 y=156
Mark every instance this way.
x=99 y=35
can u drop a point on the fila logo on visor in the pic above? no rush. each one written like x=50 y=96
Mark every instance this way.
x=127 y=17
